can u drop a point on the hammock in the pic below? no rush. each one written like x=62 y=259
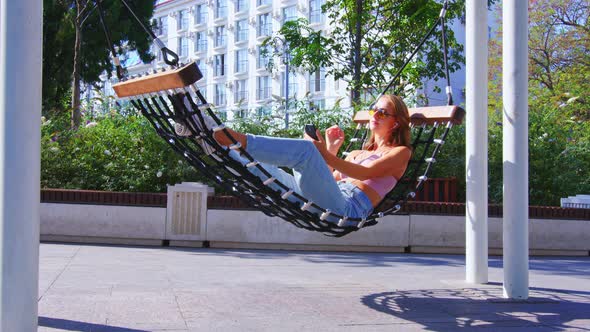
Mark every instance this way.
x=171 y=96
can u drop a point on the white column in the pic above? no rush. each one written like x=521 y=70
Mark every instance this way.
x=476 y=211
x=20 y=113
x=515 y=148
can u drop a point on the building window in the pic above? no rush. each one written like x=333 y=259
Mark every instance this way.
x=369 y=94
x=220 y=94
x=183 y=46
x=317 y=81
x=220 y=34
x=292 y=84
x=204 y=89
x=264 y=27
x=220 y=8
x=289 y=14
x=241 y=91
x=161 y=26
x=317 y=105
x=263 y=57
x=263 y=111
x=182 y=22
x=241 y=61
x=157 y=53
x=263 y=87
x=222 y=115
x=263 y=2
x=315 y=11
x=201 y=14
x=241 y=30
x=201 y=42
x=219 y=65
x=203 y=68
x=241 y=113
x=241 y=5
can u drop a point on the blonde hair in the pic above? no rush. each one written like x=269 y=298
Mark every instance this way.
x=400 y=136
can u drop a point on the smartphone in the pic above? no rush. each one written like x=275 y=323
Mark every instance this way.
x=311 y=131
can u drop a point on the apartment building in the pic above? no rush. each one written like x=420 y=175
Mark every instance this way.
x=224 y=38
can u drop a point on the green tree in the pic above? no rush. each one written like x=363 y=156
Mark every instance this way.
x=559 y=40
x=75 y=47
x=367 y=41
x=559 y=114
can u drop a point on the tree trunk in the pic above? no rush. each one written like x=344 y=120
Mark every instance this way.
x=357 y=65
x=76 y=116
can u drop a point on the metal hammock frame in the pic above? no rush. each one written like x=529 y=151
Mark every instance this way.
x=172 y=96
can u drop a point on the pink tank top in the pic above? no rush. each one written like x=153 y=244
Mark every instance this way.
x=382 y=185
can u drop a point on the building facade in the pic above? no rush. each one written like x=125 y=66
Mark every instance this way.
x=224 y=38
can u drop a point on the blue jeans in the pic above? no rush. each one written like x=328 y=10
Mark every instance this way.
x=311 y=176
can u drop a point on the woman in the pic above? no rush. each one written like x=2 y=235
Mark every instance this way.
x=350 y=187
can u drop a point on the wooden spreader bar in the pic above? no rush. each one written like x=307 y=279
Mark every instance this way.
x=190 y=73
x=424 y=115
x=168 y=80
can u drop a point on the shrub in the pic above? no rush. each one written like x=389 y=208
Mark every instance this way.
x=117 y=152
x=113 y=152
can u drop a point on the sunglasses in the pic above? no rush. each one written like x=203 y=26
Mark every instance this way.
x=379 y=113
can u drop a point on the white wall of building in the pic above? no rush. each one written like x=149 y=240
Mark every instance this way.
x=174 y=34
x=169 y=10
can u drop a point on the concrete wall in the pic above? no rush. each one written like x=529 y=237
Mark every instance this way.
x=430 y=233
x=252 y=229
x=102 y=223
x=232 y=228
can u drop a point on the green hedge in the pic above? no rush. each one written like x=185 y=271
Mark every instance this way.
x=118 y=152
x=113 y=152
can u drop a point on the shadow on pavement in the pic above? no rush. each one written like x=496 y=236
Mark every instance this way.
x=578 y=266
x=359 y=259
x=72 y=325
x=452 y=309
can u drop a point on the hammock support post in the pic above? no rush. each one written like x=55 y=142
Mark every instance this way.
x=476 y=167
x=515 y=149
x=20 y=112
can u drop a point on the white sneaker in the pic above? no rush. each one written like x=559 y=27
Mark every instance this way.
x=182 y=129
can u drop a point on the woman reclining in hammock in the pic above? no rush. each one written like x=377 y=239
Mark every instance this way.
x=350 y=187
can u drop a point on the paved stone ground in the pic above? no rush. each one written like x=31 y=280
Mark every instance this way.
x=132 y=289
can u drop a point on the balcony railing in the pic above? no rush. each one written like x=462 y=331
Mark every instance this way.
x=220 y=100
x=242 y=66
x=220 y=40
x=240 y=96
x=263 y=93
x=264 y=30
x=241 y=34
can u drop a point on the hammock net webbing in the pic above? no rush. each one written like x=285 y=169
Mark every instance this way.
x=266 y=194
x=183 y=104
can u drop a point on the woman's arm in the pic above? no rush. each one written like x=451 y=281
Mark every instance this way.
x=392 y=163
x=349 y=157
x=334 y=139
